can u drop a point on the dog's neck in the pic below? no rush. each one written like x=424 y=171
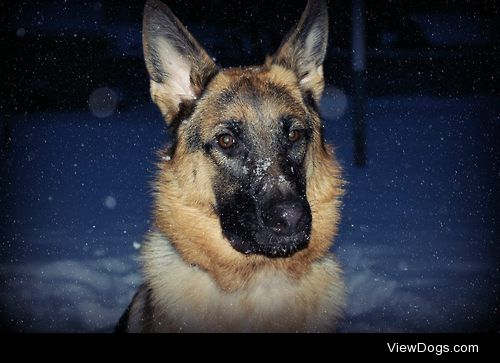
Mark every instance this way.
x=270 y=301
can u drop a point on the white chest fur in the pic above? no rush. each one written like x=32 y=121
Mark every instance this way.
x=186 y=298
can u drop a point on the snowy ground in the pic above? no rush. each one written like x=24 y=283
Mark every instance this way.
x=417 y=239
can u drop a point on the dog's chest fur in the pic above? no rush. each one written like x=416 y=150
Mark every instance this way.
x=185 y=298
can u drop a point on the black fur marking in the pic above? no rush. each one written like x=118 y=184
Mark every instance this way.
x=186 y=109
x=148 y=315
x=313 y=107
x=246 y=89
x=206 y=82
x=310 y=102
x=207 y=147
x=193 y=139
x=288 y=123
x=233 y=126
x=172 y=147
x=122 y=326
x=281 y=92
x=236 y=214
x=292 y=154
x=227 y=96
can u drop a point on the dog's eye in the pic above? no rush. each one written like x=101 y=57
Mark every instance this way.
x=294 y=135
x=225 y=141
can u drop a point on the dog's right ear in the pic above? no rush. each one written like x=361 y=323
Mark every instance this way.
x=304 y=48
x=179 y=68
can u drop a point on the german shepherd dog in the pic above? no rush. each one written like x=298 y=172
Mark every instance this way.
x=247 y=198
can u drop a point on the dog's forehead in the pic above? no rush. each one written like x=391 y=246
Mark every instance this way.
x=253 y=95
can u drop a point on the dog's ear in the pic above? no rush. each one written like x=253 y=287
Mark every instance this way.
x=179 y=68
x=304 y=48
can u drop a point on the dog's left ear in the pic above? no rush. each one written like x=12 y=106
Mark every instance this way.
x=304 y=48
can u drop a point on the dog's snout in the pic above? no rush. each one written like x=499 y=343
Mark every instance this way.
x=286 y=218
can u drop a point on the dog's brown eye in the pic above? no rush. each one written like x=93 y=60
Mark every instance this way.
x=225 y=141
x=294 y=135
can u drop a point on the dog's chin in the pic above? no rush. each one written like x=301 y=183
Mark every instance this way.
x=268 y=244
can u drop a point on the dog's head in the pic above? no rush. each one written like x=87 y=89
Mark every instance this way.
x=248 y=146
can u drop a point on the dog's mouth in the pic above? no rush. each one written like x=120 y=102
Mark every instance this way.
x=276 y=240
x=270 y=245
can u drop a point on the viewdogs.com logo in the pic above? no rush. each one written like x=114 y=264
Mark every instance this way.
x=437 y=349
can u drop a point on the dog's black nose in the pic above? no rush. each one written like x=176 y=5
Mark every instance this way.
x=286 y=218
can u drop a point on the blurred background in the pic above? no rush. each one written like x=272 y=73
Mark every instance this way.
x=412 y=106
